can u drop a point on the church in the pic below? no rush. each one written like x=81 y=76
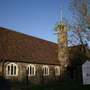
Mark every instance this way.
x=25 y=57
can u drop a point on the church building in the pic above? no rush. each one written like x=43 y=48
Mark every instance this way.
x=24 y=57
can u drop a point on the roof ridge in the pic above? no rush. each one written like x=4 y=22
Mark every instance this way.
x=12 y=30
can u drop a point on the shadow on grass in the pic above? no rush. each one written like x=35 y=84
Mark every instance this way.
x=56 y=85
x=4 y=84
x=63 y=85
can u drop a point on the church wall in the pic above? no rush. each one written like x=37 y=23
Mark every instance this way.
x=79 y=73
x=37 y=79
x=0 y=69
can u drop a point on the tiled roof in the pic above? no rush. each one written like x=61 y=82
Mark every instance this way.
x=15 y=46
x=79 y=54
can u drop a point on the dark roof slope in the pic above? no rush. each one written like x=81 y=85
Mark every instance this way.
x=15 y=46
x=79 y=54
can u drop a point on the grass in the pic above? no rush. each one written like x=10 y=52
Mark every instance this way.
x=65 y=85
x=60 y=85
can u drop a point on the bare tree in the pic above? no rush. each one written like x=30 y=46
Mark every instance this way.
x=81 y=26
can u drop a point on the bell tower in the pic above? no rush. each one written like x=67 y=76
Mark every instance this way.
x=61 y=30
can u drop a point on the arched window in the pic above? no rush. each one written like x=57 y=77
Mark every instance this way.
x=12 y=69
x=31 y=70
x=57 y=71
x=45 y=69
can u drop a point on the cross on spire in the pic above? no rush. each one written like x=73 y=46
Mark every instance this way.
x=61 y=17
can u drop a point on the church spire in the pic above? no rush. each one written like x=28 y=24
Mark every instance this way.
x=61 y=14
x=62 y=42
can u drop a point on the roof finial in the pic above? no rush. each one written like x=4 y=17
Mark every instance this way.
x=61 y=17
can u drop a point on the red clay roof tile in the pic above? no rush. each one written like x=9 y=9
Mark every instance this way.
x=15 y=46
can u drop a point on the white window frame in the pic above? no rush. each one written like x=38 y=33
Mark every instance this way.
x=57 y=70
x=45 y=69
x=12 y=69
x=33 y=70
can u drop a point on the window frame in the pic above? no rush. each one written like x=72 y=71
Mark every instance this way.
x=57 y=70
x=32 y=68
x=45 y=69
x=11 y=69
